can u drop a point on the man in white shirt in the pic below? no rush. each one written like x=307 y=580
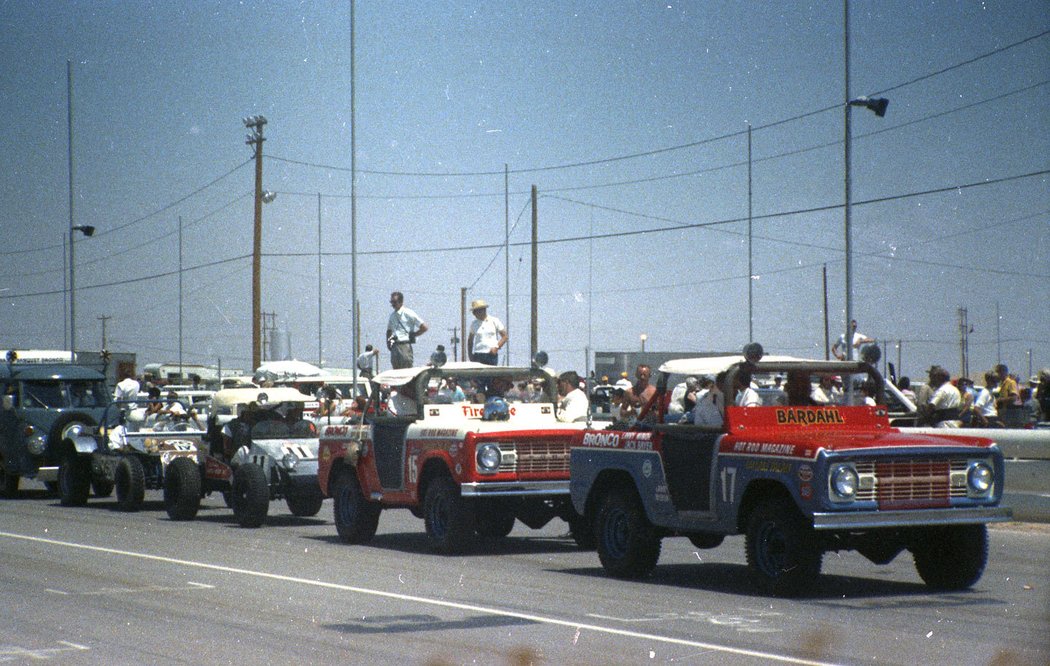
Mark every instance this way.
x=942 y=410
x=574 y=404
x=708 y=409
x=487 y=335
x=745 y=395
x=127 y=389
x=840 y=349
x=402 y=329
x=367 y=362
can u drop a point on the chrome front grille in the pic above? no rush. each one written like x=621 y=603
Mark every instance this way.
x=535 y=456
x=911 y=480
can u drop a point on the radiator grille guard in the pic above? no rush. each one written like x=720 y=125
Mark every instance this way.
x=911 y=483
x=535 y=456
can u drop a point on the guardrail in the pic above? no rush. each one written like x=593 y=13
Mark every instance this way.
x=1027 y=455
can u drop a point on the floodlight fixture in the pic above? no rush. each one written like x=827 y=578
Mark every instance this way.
x=876 y=104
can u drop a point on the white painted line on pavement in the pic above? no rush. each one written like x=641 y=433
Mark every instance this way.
x=539 y=619
x=105 y=591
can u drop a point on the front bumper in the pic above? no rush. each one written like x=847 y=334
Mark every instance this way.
x=514 y=488
x=851 y=520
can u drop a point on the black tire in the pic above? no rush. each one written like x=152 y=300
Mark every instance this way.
x=8 y=483
x=951 y=558
x=628 y=545
x=492 y=520
x=782 y=549
x=706 y=540
x=251 y=495
x=101 y=487
x=582 y=532
x=74 y=480
x=305 y=505
x=130 y=482
x=182 y=489
x=449 y=518
x=356 y=519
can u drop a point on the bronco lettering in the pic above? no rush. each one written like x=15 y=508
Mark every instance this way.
x=611 y=440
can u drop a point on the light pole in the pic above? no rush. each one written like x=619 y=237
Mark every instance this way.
x=643 y=337
x=88 y=231
x=878 y=105
x=255 y=139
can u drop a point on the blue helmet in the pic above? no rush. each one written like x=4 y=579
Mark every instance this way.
x=496 y=409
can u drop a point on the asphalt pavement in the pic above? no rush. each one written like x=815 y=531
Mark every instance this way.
x=94 y=585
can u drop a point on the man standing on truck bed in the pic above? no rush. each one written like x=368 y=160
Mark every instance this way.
x=402 y=329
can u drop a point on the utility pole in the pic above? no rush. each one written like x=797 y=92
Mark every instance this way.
x=463 y=318
x=255 y=140
x=964 y=343
x=455 y=341
x=506 y=253
x=827 y=332
x=180 y=297
x=104 y=319
x=534 y=344
x=320 y=359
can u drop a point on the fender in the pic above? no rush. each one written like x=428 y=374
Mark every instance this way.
x=83 y=443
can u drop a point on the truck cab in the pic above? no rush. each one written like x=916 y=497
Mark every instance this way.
x=44 y=402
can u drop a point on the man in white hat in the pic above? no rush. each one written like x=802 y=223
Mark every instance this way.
x=487 y=335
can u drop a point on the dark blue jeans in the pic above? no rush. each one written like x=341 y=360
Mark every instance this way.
x=487 y=359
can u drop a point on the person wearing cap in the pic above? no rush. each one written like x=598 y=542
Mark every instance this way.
x=623 y=382
x=487 y=335
x=402 y=329
x=942 y=409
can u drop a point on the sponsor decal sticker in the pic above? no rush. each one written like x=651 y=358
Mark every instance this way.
x=805 y=473
x=806 y=416
x=647 y=468
x=806 y=491
x=766 y=448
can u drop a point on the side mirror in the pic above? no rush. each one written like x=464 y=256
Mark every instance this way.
x=9 y=402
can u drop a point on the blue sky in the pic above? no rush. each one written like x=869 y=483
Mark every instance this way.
x=630 y=119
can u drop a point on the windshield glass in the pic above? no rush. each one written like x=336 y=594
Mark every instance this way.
x=519 y=385
x=59 y=394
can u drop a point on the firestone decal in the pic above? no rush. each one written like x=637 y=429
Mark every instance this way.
x=477 y=411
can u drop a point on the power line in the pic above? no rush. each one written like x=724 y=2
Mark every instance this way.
x=658 y=151
x=694 y=172
x=103 y=232
x=679 y=226
x=497 y=253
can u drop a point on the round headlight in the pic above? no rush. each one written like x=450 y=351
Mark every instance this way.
x=36 y=445
x=844 y=482
x=980 y=478
x=489 y=457
x=289 y=461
